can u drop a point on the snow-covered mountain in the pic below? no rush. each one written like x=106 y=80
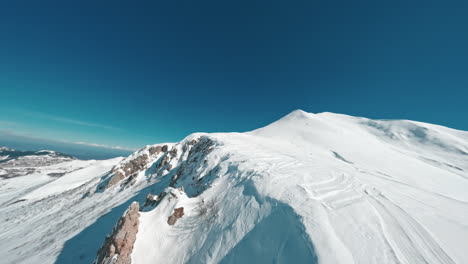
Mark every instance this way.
x=17 y=158
x=308 y=188
x=14 y=163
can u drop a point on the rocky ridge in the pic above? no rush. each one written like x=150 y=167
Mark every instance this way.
x=178 y=164
x=119 y=244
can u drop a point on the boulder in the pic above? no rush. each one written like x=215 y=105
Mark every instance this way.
x=178 y=213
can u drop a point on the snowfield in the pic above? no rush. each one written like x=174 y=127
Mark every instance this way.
x=308 y=188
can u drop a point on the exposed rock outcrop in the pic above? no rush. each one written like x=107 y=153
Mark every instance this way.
x=165 y=159
x=164 y=148
x=128 y=169
x=155 y=150
x=131 y=167
x=200 y=148
x=152 y=200
x=178 y=213
x=119 y=244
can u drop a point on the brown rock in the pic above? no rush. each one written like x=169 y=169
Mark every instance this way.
x=155 y=150
x=178 y=213
x=173 y=152
x=119 y=244
x=118 y=176
x=165 y=161
x=130 y=168
x=164 y=148
x=193 y=141
x=151 y=201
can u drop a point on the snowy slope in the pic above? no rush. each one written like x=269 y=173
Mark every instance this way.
x=23 y=171
x=309 y=188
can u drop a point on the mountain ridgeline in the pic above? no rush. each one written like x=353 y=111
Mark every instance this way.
x=308 y=188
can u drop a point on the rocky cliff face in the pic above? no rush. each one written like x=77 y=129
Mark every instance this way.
x=119 y=244
x=130 y=167
x=181 y=165
x=177 y=161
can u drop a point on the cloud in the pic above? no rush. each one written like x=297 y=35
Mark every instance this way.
x=102 y=146
x=11 y=134
x=68 y=120
x=74 y=121
x=7 y=123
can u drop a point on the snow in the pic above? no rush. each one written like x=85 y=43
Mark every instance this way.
x=363 y=190
x=308 y=188
x=73 y=179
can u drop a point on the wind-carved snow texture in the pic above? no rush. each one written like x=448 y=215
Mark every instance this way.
x=309 y=188
x=278 y=238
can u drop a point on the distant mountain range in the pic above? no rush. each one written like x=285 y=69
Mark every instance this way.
x=14 y=163
x=80 y=151
x=8 y=154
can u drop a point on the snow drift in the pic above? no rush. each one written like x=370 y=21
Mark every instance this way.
x=308 y=188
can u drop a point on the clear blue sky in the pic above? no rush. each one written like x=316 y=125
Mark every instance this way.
x=130 y=73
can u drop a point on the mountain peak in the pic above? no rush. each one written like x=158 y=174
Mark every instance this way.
x=340 y=188
x=298 y=113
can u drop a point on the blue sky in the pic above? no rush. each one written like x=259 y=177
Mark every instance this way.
x=128 y=73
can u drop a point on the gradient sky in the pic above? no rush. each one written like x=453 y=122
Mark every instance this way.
x=141 y=72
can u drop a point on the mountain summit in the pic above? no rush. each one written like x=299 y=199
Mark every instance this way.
x=308 y=188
